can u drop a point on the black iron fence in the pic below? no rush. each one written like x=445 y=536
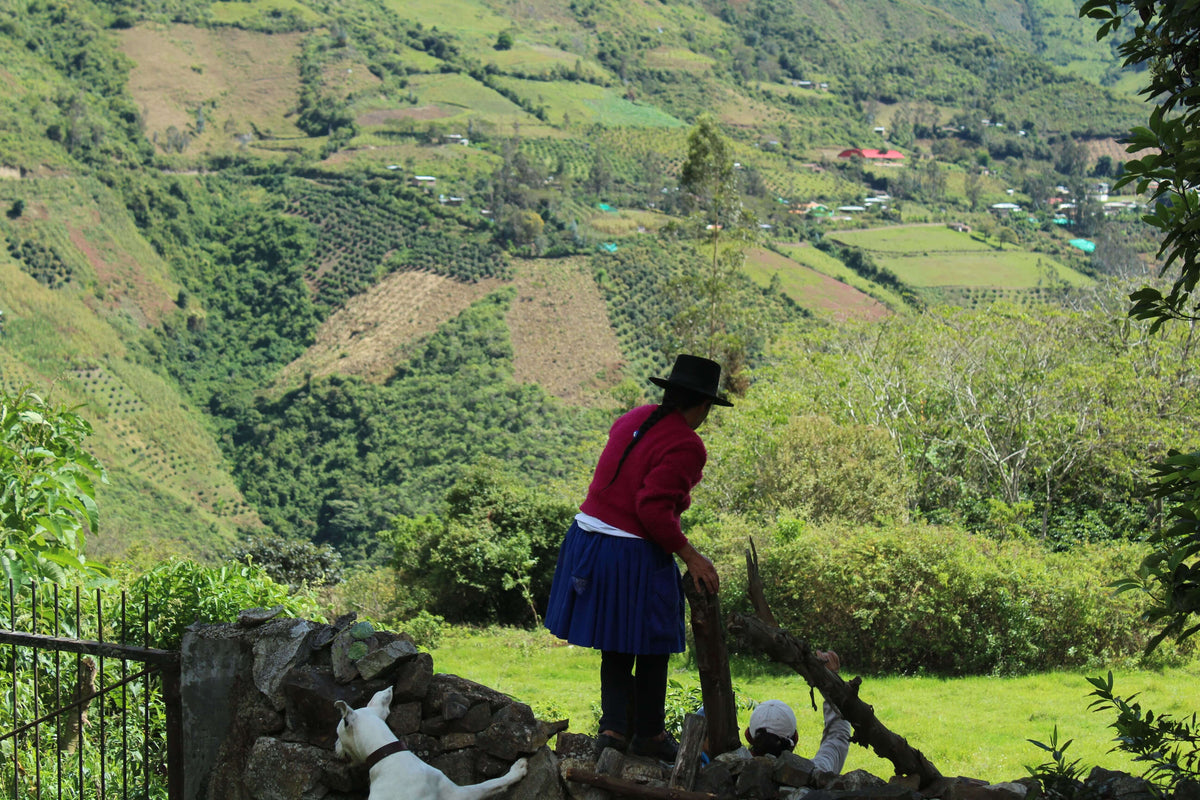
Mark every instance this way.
x=87 y=708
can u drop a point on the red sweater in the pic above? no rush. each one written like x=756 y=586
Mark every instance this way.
x=655 y=483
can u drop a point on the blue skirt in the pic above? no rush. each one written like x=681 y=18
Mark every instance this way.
x=616 y=594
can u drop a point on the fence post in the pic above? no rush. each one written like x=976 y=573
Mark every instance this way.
x=173 y=700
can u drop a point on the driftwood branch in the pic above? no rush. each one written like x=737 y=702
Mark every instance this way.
x=781 y=646
x=754 y=588
x=691 y=745
x=627 y=788
x=712 y=661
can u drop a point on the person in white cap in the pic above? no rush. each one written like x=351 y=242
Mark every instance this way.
x=772 y=728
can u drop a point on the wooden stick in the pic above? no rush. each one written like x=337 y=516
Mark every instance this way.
x=627 y=788
x=754 y=588
x=691 y=746
x=712 y=660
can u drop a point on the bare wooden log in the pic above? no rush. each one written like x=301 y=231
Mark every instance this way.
x=781 y=646
x=626 y=788
x=754 y=588
x=691 y=746
x=712 y=661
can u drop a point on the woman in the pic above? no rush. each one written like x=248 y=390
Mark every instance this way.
x=616 y=587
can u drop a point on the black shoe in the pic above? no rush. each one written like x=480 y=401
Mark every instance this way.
x=664 y=749
x=604 y=741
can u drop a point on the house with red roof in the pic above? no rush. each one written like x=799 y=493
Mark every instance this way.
x=879 y=155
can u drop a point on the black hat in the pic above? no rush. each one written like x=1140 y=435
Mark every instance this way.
x=696 y=374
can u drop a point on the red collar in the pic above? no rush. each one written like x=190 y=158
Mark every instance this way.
x=388 y=749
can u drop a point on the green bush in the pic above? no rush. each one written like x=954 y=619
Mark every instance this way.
x=921 y=599
x=180 y=593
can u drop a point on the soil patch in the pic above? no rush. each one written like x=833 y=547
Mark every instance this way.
x=375 y=331
x=561 y=335
x=383 y=115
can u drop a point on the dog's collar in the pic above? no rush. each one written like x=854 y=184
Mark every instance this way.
x=389 y=749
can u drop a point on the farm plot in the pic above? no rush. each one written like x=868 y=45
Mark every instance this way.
x=373 y=331
x=1011 y=269
x=827 y=265
x=463 y=96
x=586 y=103
x=911 y=240
x=811 y=289
x=928 y=256
x=561 y=335
x=244 y=80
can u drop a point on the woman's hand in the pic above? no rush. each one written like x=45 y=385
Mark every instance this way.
x=702 y=569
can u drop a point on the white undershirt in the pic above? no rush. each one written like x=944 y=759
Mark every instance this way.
x=593 y=525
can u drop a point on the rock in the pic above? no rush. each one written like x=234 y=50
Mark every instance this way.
x=792 y=770
x=413 y=678
x=303 y=779
x=514 y=732
x=754 y=782
x=457 y=741
x=405 y=718
x=309 y=694
x=444 y=686
x=715 y=778
x=253 y=617
x=344 y=669
x=858 y=780
x=386 y=659
x=1118 y=785
x=279 y=645
x=541 y=782
x=458 y=766
x=574 y=745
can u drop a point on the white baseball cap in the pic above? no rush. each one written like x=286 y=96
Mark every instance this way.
x=773 y=716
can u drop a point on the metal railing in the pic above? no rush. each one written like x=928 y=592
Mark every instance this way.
x=85 y=713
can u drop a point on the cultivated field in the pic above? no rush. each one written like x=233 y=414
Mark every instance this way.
x=819 y=293
x=935 y=255
x=561 y=336
x=242 y=80
x=374 y=331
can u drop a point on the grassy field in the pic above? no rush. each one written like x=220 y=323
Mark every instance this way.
x=934 y=255
x=1011 y=269
x=977 y=727
x=827 y=265
x=911 y=240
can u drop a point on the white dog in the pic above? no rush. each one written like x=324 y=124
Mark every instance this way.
x=397 y=774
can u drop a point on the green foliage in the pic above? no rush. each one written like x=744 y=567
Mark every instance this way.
x=48 y=497
x=1164 y=39
x=920 y=599
x=491 y=556
x=1001 y=403
x=810 y=468
x=292 y=562
x=1169 y=747
x=1058 y=776
x=178 y=593
x=1170 y=574
x=337 y=458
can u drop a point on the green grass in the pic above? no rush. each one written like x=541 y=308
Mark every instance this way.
x=975 y=727
x=910 y=240
x=828 y=265
x=1011 y=269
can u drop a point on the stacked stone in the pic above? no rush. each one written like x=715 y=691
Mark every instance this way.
x=260 y=721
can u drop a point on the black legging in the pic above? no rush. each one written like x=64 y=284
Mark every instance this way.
x=622 y=690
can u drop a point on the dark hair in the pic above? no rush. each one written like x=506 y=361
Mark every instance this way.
x=766 y=743
x=674 y=397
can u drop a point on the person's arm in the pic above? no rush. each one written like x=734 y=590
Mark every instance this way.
x=835 y=741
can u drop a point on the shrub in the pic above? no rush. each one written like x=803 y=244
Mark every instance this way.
x=924 y=599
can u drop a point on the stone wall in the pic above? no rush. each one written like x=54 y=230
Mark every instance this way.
x=260 y=724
